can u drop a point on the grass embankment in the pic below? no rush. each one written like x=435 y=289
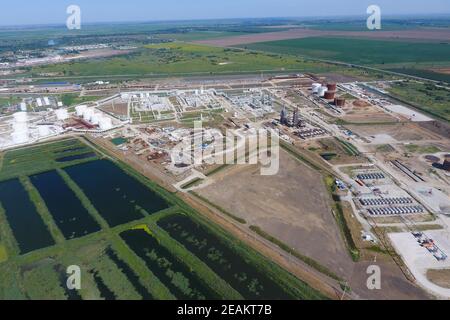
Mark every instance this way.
x=341 y=220
x=192 y=183
x=349 y=148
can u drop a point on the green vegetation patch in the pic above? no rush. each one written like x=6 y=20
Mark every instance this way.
x=426 y=97
x=413 y=148
x=359 y=51
x=41 y=158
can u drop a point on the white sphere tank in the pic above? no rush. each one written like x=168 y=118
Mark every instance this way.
x=80 y=110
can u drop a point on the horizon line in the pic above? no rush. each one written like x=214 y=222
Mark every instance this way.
x=307 y=17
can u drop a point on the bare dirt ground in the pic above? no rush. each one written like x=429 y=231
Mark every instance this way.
x=441 y=70
x=401 y=132
x=293 y=206
x=120 y=109
x=439 y=277
x=428 y=35
x=358 y=112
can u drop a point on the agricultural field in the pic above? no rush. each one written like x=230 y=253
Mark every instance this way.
x=179 y=58
x=174 y=58
x=131 y=239
x=359 y=51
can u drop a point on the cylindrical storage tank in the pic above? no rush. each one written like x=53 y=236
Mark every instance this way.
x=315 y=87
x=329 y=95
x=331 y=86
x=20 y=117
x=322 y=91
x=80 y=110
x=95 y=119
x=44 y=131
x=87 y=114
x=339 y=102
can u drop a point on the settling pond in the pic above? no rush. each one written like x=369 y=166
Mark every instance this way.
x=118 y=197
x=240 y=273
x=71 y=217
x=27 y=226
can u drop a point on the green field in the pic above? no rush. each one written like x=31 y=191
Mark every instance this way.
x=423 y=73
x=359 y=51
x=174 y=58
x=158 y=267
x=427 y=97
x=27 y=161
x=185 y=59
x=71 y=99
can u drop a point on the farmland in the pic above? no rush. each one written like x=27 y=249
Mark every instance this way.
x=359 y=51
x=176 y=58
x=119 y=229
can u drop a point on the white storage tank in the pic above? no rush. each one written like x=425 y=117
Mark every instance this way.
x=87 y=114
x=80 y=110
x=95 y=119
x=322 y=91
x=316 y=87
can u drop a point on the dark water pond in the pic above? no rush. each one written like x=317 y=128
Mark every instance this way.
x=118 y=197
x=28 y=228
x=71 y=217
x=242 y=275
x=77 y=157
x=173 y=274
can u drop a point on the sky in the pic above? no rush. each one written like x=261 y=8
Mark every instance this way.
x=26 y=12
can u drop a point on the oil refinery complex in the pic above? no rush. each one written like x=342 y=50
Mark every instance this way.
x=389 y=163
